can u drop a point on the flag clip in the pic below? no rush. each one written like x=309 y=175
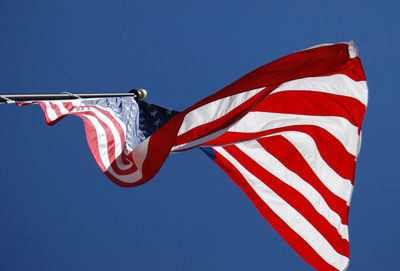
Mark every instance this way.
x=4 y=99
x=71 y=94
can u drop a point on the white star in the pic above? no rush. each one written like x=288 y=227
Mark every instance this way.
x=154 y=113
x=157 y=122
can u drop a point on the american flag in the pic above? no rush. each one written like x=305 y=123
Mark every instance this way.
x=288 y=134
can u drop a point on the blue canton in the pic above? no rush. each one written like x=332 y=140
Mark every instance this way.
x=152 y=117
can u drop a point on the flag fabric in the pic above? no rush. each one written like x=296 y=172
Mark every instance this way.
x=153 y=117
x=288 y=134
x=113 y=128
x=294 y=151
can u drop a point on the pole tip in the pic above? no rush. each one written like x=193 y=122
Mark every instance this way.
x=140 y=93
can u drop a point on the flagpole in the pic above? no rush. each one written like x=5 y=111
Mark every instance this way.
x=140 y=94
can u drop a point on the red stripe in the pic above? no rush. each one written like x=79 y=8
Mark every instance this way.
x=331 y=149
x=290 y=236
x=123 y=158
x=308 y=63
x=290 y=157
x=159 y=147
x=221 y=123
x=314 y=104
x=93 y=144
x=353 y=69
x=117 y=125
x=56 y=109
x=91 y=138
x=292 y=197
x=110 y=145
x=46 y=116
x=68 y=105
x=116 y=180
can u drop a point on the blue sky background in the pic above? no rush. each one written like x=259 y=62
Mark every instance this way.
x=57 y=209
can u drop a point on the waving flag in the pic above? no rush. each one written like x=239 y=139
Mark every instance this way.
x=287 y=133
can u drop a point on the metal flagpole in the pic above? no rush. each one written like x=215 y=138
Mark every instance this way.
x=140 y=93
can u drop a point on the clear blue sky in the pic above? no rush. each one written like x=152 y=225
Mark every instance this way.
x=59 y=212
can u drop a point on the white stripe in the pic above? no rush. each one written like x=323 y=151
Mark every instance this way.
x=129 y=178
x=116 y=137
x=62 y=108
x=101 y=135
x=102 y=148
x=139 y=155
x=338 y=84
x=339 y=127
x=121 y=123
x=51 y=114
x=113 y=129
x=254 y=150
x=198 y=141
x=307 y=147
x=290 y=216
x=214 y=110
x=101 y=141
